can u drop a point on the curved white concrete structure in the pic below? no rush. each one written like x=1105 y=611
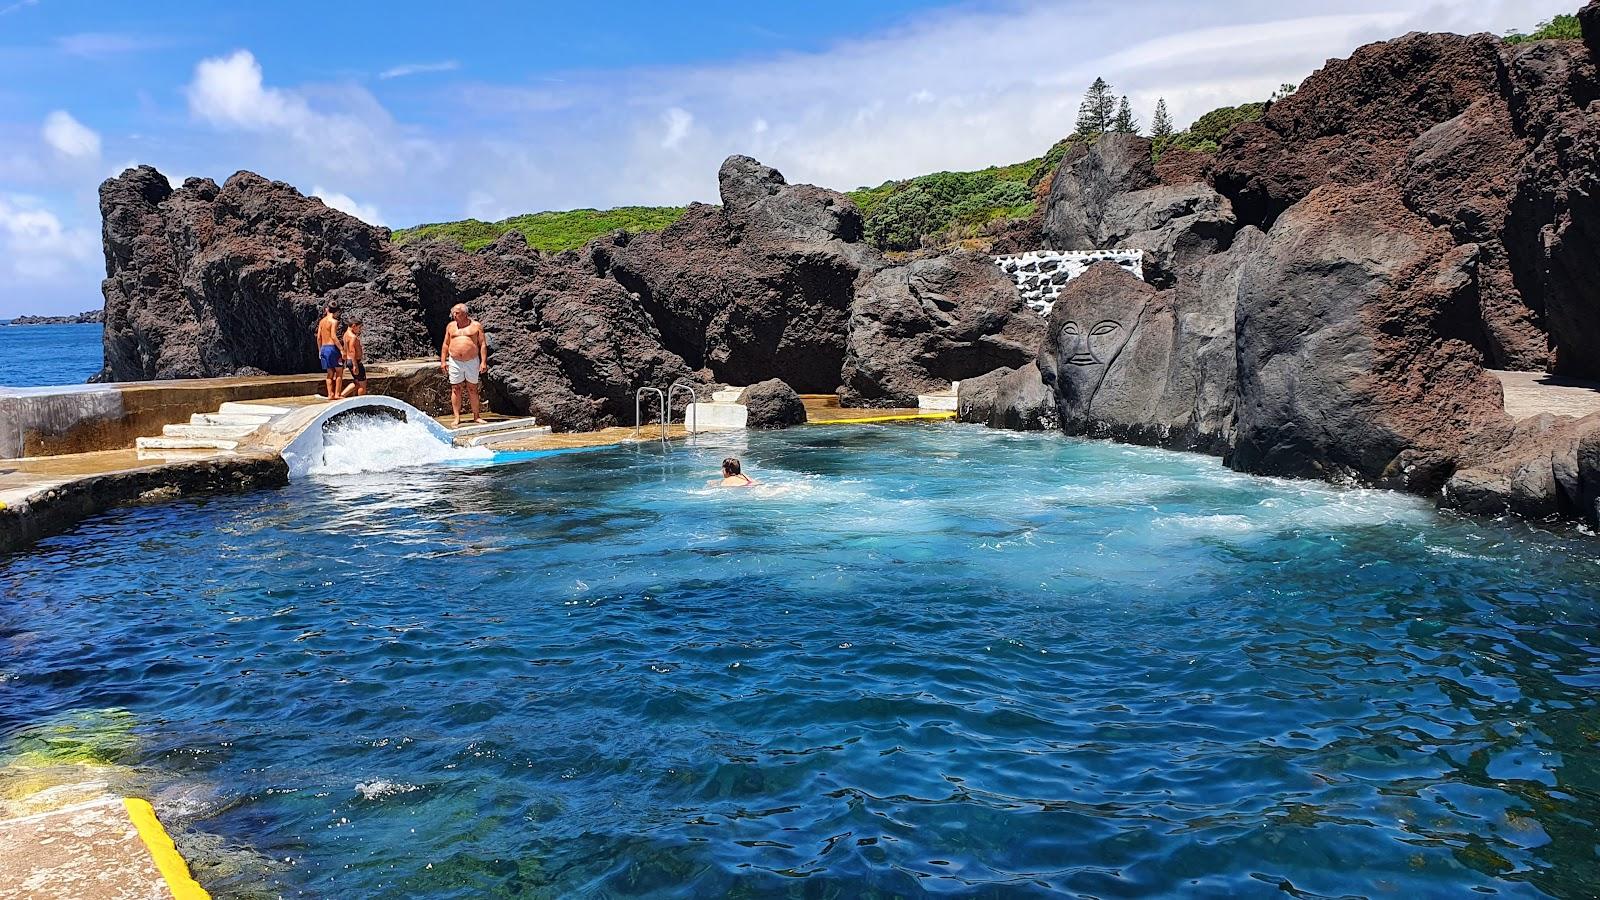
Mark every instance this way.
x=297 y=437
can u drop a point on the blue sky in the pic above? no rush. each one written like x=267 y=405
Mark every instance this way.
x=409 y=112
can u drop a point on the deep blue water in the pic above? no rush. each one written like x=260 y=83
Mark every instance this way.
x=916 y=659
x=36 y=355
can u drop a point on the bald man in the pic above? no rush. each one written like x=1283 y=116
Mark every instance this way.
x=464 y=356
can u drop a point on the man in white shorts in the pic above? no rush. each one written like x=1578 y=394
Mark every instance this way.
x=464 y=356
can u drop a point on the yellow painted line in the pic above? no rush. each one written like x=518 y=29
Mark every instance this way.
x=868 y=419
x=165 y=853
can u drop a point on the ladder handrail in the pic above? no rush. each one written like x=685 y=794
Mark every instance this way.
x=683 y=384
x=638 y=420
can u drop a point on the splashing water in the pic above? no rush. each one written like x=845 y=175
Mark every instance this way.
x=383 y=444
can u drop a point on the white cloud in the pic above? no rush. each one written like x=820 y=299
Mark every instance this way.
x=678 y=122
x=69 y=137
x=347 y=204
x=35 y=247
x=401 y=71
x=358 y=139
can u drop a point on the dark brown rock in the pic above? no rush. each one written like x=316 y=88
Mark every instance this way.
x=1353 y=120
x=757 y=288
x=1089 y=178
x=564 y=346
x=1350 y=352
x=1016 y=399
x=1589 y=22
x=773 y=404
x=914 y=328
x=209 y=281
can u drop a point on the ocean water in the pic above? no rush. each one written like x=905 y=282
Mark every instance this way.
x=36 y=355
x=915 y=659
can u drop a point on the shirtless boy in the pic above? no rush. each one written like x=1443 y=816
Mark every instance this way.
x=464 y=356
x=328 y=349
x=355 y=356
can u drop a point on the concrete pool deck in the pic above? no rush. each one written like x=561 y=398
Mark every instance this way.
x=81 y=841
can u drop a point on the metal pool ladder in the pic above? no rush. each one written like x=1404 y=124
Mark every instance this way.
x=683 y=384
x=638 y=409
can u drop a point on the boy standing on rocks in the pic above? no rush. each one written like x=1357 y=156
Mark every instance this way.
x=328 y=349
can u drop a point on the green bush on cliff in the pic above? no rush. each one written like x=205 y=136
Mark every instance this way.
x=1207 y=132
x=1564 y=27
x=550 y=231
x=900 y=215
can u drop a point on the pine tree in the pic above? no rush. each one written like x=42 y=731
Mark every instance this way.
x=1161 y=123
x=1097 y=110
x=1125 y=121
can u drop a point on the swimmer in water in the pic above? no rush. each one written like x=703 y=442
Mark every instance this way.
x=732 y=476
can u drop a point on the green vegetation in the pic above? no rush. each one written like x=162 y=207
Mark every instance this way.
x=940 y=209
x=1564 y=27
x=1208 y=131
x=549 y=231
x=92 y=737
x=902 y=215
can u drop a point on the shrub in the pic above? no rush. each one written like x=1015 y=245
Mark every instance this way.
x=549 y=231
x=1563 y=27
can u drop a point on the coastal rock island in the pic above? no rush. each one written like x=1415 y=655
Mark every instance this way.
x=1328 y=294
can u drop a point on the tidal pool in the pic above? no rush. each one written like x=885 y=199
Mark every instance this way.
x=916 y=659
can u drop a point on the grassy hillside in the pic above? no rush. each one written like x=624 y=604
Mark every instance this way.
x=550 y=231
x=940 y=209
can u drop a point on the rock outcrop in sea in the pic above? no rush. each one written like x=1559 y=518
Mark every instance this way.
x=1325 y=296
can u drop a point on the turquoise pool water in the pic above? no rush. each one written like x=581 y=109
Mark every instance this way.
x=915 y=660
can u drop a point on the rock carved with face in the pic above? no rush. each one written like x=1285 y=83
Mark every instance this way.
x=1090 y=325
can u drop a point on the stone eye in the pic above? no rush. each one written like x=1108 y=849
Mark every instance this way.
x=1106 y=327
x=1071 y=328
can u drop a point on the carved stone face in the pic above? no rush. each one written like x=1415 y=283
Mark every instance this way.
x=1088 y=331
x=1091 y=345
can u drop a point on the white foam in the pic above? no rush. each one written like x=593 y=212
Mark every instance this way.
x=382 y=444
x=378 y=789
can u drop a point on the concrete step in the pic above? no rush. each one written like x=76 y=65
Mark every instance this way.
x=715 y=416
x=171 y=443
x=503 y=437
x=228 y=419
x=177 y=455
x=727 y=395
x=466 y=431
x=246 y=408
x=218 y=432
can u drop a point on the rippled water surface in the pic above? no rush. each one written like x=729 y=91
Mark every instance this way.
x=915 y=659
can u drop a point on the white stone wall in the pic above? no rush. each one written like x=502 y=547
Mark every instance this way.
x=1041 y=274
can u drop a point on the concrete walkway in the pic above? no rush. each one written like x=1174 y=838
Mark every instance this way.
x=101 y=848
x=1531 y=393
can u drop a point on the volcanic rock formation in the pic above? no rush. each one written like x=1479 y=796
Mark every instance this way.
x=773 y=404
x=1411 y=216
x=206 y=281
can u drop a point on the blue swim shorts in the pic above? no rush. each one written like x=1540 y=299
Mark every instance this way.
x=330 y=356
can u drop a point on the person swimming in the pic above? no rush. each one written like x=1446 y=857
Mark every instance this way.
x=733 y=474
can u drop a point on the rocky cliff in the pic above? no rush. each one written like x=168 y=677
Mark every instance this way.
x=1325 y=296
x=775 y=282
x=1329 y=293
